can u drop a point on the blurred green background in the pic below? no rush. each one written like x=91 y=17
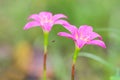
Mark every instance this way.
x=21 y=51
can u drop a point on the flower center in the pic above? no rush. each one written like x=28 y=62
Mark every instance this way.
x=45 y=20
x=86 y=39
x=81 y=37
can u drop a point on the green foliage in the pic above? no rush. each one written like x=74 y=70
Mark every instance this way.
x=115 y=78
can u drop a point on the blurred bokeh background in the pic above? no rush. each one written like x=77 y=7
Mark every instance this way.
x=21 y=52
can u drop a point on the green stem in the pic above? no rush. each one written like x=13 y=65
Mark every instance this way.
x=45 y=54
x=74 y=62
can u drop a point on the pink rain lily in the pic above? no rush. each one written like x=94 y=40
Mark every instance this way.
x=45 y=20
x=83 y=35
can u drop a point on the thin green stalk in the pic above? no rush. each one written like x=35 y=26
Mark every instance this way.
x=98 y=59
x=74 y=62
x=45 y=54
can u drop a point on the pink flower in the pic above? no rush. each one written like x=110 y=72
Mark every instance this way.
x=45 y=20
x=82 y=36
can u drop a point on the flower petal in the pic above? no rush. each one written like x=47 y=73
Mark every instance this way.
x=94 y=35
x=97 y=42
x=66 y=25
x=62 y=22
x=80 y=43
x=46 y=15
x=47 y=27
x=64 y=34
x=31 y=24
x=58 y=16
x=34 y=17
x=85 y=29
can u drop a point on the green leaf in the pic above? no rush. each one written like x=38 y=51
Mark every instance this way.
x=97 y=58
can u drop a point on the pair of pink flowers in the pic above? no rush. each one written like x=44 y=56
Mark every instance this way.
x=81 y=36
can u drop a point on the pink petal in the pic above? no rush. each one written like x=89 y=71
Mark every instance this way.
x=97 y=42
x=80 y=43
x=85 y=29
x=47 y=15
x=62 y=22
x=58 y=16
x=94 y=35
x=47 y=27
x=66 y=25
x=64 y=34
x=34 y=17
x=31 y=24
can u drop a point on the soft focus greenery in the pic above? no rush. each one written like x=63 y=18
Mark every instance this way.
x=18 y=48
